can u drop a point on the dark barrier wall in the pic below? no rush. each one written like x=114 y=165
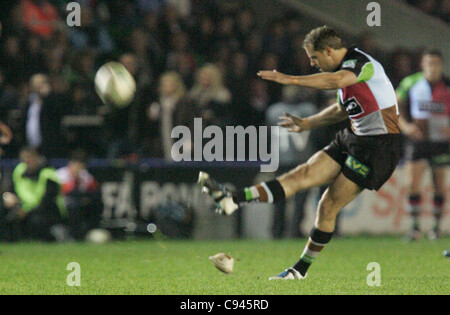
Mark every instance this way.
x=134 y=191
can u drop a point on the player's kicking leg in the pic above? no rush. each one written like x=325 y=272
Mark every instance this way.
x=340 y=193
x=320 y=169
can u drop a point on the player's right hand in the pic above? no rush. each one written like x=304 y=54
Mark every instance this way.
x=275 y=76
x=293 y=123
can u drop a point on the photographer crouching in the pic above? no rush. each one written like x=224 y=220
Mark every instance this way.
x=34 y=207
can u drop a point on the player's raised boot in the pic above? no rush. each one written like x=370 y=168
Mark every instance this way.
x=221 y=195
x=289 y=274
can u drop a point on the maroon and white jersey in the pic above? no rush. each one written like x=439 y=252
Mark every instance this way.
x=429 y=105
x=84 y=183
x=371 y=103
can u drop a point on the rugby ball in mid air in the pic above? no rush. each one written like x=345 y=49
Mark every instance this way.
x=115 y=85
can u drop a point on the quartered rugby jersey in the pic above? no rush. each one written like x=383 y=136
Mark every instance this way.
x=371 y=103
x=429 y=105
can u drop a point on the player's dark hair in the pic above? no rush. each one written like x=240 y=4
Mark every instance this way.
x=322 y=37
x=29 y=149
x=79 y=156
x=433 y=52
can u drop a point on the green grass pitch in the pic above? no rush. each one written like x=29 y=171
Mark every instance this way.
x=182 y=267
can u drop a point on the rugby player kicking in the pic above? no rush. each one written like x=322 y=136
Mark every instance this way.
x=361 y=157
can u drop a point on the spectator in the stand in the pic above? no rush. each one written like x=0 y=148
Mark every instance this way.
x=238 y=81
x=161 y=35
x=83 y=99
x=5 y=135
x=81 y=196
x=85 y=102
x=8 y=103
x=182 y=8
x=222 y=59
x=294 y=26
x=438 y=8
x=40 y=17
x=204 y=37
x=8 y=97
x=135 y=68
x=122 y=125
x=186 y=66
x=34 y=205
x=56 y=58
x=152 y=27
x=428 y=6
x=226 y=33
x=83 y=66
x=147 y=50
x=272 y=61
x=170 y=110
x=245 y=24
x=43 y=118
x=401 y=66
x=368 y=44
x=299 y=62
x=210 y=96
x=276 y=40
x=201 y=8
x=13 y=61
x=91 y=32
x=253 y=48
x=137 y=124
x=444 y=11
x=180 y=57
x=55 y=61
x=34 y=55
x=151 y=5
x=259 y=102
x=170 y=25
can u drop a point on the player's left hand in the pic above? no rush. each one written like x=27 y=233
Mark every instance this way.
x=275 y=76
x=293 y=123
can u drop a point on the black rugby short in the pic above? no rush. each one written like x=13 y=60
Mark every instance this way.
x=368 y=161
x=436 y=153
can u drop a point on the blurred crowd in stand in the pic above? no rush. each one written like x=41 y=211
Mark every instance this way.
x=190 y=58
x=437 y=8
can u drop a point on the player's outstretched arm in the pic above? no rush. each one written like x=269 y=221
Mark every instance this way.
x=323 y=81
x=328 y=116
